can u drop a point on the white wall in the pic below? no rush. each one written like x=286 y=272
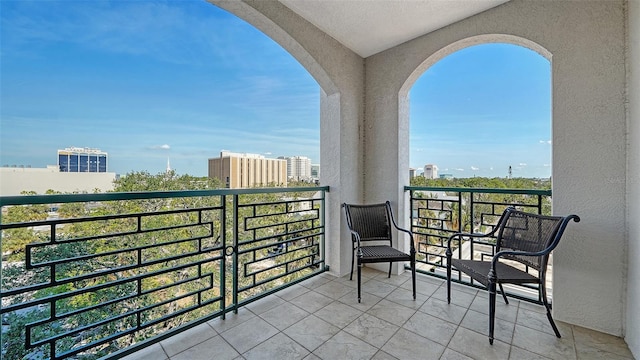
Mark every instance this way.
x=632 y=335
x=585 y=41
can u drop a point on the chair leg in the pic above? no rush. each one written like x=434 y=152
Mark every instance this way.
x=390 y=263
x=413 y=276
x=548 y=307
x=448 y=275
x=504 y=296
x=359 y=278
x=353 y=259
x=492 y=304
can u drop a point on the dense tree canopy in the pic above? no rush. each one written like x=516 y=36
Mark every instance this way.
x=483 y=182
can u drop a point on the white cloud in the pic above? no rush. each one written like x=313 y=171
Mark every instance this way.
x=458 y=169
x=161 y=147
x=545 y=142
x=546 y=165
x=474 y=168
x=523 y=164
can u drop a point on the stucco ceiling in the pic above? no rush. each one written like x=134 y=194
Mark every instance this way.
x=370 y=26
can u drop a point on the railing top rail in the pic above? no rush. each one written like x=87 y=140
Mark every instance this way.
x=480 y=190
x=70 y=198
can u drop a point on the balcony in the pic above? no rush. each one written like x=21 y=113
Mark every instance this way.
x=228 y=273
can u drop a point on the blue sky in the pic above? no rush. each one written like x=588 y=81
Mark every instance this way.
x=147 y=80
x=482 y=109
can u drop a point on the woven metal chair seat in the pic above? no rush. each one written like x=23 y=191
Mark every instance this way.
x=479 y=271
x=382 y=253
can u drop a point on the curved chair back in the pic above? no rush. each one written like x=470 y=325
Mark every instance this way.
x=371 y=222
x=531 y=233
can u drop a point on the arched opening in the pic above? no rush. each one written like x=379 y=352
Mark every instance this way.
x=481 y=111
x=480 y=117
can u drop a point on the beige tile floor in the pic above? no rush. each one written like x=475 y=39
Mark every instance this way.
x=322 y=319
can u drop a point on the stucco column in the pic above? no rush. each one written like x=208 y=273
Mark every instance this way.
x=386 y=144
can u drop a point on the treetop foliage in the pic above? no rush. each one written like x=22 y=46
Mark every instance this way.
x=485 y=183
x=144 y=181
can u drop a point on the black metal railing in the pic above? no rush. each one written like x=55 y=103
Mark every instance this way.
x=437 y=213
x=92 y=275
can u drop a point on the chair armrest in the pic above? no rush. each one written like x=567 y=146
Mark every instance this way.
x=461 y=234
x=502 y=253
x=393 y=220
x=495 y=229
x=357 y=237
x=413 y=248
x=493 y=272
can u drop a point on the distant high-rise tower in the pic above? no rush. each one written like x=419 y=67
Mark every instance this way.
x=247 y=170
x=168 y=165
x=430 y=171
x=75 y=159
x=298 y=167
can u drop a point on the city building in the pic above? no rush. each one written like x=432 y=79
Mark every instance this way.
x=242 y=170
x=74 y=159
x=412 y=173
x=445 y=176
x=298 y=167
x=431 y=171
x=15 y=180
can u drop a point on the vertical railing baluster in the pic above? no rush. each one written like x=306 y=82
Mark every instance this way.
x=539 y=204
x=235 y=204
x=223 y=261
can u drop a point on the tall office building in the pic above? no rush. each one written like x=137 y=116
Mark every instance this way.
x=242 y=170
x=74 y=159
x=431 y=171
x=298 y=167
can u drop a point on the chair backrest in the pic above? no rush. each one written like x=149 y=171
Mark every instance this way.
x=522 y=231
x=371 y=222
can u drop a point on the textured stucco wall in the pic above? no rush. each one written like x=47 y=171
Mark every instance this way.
x=589 y=165
x=340 y=74
x=585 y=40
x=632 y=335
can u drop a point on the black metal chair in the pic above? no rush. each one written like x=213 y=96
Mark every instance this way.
x=523 y=242
x=371 y=234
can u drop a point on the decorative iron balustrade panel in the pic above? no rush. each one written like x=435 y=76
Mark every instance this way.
x=438 y=213
x=277 y=242
x=105 y=274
